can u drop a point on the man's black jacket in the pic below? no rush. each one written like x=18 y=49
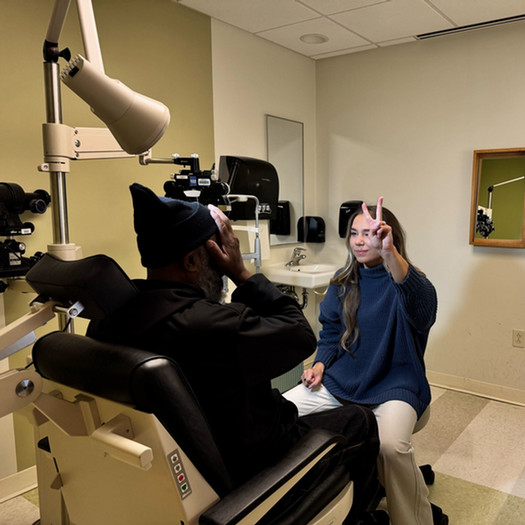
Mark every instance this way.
x=229 y=353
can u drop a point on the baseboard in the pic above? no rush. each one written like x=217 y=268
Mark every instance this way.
x=17 y=484
x=478 y=388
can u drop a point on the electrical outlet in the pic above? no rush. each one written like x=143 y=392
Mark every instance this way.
x=518 y=338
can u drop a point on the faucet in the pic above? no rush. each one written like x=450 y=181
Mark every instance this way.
x=297 y=257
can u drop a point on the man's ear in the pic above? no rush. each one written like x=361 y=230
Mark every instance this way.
x=192 y=261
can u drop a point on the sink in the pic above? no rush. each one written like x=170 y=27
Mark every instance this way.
x=305 y=275
x=313 y=268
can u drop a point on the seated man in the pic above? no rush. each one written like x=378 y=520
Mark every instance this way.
x=229 y=352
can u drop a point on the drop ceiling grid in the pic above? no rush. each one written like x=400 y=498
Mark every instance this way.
x=351 y=25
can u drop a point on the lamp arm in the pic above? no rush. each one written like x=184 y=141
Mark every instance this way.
x=88 y=28
x=491 y=188
x=508 y=181
x=192 y=161
x=490 y=191
x=56 y=24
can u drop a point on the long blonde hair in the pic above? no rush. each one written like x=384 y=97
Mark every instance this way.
x=348 y=278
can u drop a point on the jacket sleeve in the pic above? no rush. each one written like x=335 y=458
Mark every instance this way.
x=329 y=347
x=272 y=335
x=418 y=299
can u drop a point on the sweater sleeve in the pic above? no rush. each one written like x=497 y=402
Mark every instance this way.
x=419 y=300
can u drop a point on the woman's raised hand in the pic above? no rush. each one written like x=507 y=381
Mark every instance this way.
x=380 y=233
x=380 y=237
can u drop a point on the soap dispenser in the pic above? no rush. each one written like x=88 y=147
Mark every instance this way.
x=311 y=229
x=346 y=210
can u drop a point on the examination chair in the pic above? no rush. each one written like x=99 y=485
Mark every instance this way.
x=121 y=439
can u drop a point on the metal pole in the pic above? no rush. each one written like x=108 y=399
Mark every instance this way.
x=57 y=178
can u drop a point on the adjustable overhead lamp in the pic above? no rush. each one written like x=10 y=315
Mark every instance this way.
x=134 y=122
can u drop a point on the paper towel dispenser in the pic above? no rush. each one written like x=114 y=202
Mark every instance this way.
x=249 y=176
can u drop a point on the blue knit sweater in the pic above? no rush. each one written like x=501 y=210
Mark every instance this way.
x=394 y=320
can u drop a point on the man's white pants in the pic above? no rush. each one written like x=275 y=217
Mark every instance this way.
x=406 y=491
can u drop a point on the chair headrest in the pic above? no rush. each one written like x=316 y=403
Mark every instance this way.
x=98 y=282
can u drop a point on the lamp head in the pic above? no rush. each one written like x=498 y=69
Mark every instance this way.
x=137 y=122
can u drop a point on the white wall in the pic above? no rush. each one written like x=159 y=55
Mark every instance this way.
x=403 y=122
x=251 y=78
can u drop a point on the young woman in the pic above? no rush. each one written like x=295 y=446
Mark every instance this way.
x=376 y=318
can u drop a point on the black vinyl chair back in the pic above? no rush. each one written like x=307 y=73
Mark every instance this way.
x=150 y=382
x=98 y=282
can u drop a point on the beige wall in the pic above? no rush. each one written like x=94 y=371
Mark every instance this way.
x=156 y=47
x=402 y=122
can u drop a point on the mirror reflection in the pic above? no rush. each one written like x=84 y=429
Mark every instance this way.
x=498 y=198
x=285 y=152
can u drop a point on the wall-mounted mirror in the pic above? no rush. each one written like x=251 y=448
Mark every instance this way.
x=497 y=216
x=284 y=139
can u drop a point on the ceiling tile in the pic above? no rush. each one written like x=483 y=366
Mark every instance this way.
x=466 y=12
x=393 y=20
x=397 y=41
x=253 y=15
x=340 y=38
x=329 y=7
x=344 y=51
x=351 y=25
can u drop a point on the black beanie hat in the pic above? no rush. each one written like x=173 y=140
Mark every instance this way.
x=167 y=229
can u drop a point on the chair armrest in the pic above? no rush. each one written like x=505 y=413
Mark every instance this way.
x=273 y=483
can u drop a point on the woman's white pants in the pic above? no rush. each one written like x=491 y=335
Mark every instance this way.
x=406 y=491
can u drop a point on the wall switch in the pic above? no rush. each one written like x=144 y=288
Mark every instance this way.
x=518 y=338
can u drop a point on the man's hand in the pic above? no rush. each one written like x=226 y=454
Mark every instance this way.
x=228 y=255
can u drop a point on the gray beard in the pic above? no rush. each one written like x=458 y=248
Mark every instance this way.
x=210 y=280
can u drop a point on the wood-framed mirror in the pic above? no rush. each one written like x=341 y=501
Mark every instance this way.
x=497 y=214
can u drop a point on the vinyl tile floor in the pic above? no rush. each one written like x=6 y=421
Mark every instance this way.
x=476 y=447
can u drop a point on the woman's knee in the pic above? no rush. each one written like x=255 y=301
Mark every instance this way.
x=391 y=447
x=396 y=420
